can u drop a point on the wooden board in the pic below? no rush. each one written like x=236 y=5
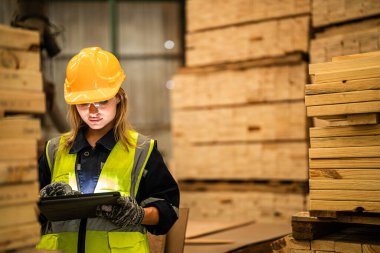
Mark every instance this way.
x=18 y=214
x=346 y=195
x=18 y=149
x=20 y=127
x=343 y=86
x=18 y=171
x=274 y=83
x=20 y=60
x=255 y=237
x=230 y=206
x=21 y=101
x=343 y=98
x=358 y=174
x=339 y=109
x=23 y=80
x=347 y=120
x=351 y=141
x=281 y=161
x=247 y=42
x=18 y=38
x=344 y=184
x=211 y=14
x=331 y=205
x=355 y=56
x=372 y=60
x=349 y=39
x=12 y=194
x=332 y=12
x=344 y=75
x=19 y=232
x=344 y=163
x=344 y=152
x=277 y=121
x=344 y=131
x=200 y=228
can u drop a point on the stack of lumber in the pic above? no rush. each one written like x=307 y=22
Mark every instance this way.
x=344 y=27
x=238 y=114
x=20 y=95
x=355 y=239
x=345 y=155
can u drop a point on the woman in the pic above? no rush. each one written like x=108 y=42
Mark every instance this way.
x=101 y=154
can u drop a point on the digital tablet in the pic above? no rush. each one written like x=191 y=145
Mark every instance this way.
x=72 y=207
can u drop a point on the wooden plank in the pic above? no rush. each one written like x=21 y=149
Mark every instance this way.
x=19 y=101
x=332 y=12
x=345 y=131
x=338 y=109
x=345 y=163
x=347 y=120
x=349 y=195
x=18 y=214
x=24 y=80
x=18 y=171
x=358 y=174
x=342 y=184
x=20 y=127
x=343 y=86
x=18 y=38
x=242 y=206
x=355 y=56
x=255 y=85
x=20 y=60
x=244 y=185
x=351 y=141
x=337 y=66
x=333 y=205
x=344 y=152
x=277 y=121
x=281 y=161
x=252 y=41
x=21 y=231
x=18 y=149
x=205 y=15
x=349 y=39
x=344 y=75
x=343 y=98
x=12 y=194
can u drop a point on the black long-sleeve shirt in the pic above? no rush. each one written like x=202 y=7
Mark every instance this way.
x=157 y=183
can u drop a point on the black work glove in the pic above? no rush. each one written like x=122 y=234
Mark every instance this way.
x=126 y=213
x=57 y=189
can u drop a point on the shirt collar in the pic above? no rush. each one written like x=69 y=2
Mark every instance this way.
x=108 y=141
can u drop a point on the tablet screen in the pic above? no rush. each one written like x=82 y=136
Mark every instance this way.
x=72 y=207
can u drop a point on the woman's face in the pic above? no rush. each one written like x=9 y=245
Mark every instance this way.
x=99 y=115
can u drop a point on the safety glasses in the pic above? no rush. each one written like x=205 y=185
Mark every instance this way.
x=98 y=105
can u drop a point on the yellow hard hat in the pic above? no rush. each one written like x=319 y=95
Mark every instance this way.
x=92 y=75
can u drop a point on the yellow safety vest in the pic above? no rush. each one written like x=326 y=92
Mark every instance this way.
x=121 y=172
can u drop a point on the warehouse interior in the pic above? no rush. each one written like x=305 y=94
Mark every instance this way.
x=265 y=112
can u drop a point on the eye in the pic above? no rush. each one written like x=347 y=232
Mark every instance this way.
x=104 y=102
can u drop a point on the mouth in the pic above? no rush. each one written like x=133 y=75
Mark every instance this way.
x=94 y=120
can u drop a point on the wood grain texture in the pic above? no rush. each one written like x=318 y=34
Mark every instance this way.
x=281 y=161
x=332 y=12
x=278 y=121
x=231 y=87
x=340 y=131
x=211 y=14
x=253 y=41
x=18 y=38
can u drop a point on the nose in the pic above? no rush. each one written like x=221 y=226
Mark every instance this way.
x=92 y=109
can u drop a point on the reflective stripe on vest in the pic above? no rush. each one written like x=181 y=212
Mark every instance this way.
x=121 y=172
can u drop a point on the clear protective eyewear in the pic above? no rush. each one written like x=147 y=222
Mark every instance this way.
x=98 y=105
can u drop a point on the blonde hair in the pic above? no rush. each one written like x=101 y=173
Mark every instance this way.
x=121 y=124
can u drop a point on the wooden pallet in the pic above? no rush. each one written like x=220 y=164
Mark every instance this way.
x=315 y=224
